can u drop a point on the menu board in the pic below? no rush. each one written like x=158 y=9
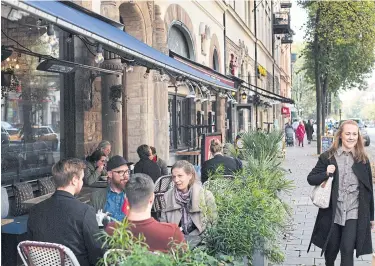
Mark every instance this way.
x=326 y=143
x=205 y=147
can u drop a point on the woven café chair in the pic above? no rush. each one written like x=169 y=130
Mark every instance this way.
x=162 y=185
x=35 y=253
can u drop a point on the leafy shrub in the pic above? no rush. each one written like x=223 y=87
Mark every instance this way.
x=251 y=214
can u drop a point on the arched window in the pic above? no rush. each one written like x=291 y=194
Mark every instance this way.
x=215 y=61
x=179 y=42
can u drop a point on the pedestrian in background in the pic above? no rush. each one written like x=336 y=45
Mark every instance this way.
x=346 y=224
x=300 y=133
x=309 y=131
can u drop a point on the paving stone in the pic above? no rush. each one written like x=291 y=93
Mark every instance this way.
x=299 y=261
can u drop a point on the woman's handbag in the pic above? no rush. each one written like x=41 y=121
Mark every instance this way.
x=321 y=195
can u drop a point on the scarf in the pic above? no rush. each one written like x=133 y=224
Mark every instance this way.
x=183 y=199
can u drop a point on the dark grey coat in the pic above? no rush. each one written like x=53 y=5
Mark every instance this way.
x=325 y=219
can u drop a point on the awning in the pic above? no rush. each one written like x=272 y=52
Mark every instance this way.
x=113 y=38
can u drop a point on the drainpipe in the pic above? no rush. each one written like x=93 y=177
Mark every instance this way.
x=256 y=61
x=273 y=63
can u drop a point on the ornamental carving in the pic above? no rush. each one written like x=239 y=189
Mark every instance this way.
x=150 y=6
x=112 y=66
x=244 y=51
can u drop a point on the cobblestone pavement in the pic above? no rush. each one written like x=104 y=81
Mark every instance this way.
x=300 y=161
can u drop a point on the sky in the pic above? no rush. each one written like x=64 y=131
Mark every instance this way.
x=298 y=19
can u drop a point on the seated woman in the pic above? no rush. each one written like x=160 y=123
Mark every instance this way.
x=105 y=146
x=188 y=204
x=230 y=164
x=95 y=168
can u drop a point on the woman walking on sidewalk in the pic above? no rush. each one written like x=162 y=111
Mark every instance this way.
x=346 y=224
x=309 y=131
x=300 y=133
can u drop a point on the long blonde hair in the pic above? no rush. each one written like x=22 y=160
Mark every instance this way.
x=359 y=149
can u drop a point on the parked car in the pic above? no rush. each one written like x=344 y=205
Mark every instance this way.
x=4 y=137
x=12 y=131
x=362 y=128
x=46 y=134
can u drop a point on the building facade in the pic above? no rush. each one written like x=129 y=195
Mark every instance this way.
x=129 y=103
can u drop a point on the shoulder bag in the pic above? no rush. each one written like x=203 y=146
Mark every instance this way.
x=321 y=195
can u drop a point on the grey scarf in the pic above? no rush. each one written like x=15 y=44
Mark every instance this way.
x=183 y=199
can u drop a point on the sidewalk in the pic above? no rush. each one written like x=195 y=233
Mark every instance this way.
x=300 y=161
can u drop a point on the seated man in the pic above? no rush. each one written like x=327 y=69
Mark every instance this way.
x=112 y=199
x=65 y=220
x=145 y=165
x=158 y=236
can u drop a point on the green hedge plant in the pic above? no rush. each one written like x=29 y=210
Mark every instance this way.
x=251 y=214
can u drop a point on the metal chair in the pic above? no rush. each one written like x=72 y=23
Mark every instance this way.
x=35 y=253
x=162 y=185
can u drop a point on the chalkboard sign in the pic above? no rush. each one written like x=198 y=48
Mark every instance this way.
x=326 y=143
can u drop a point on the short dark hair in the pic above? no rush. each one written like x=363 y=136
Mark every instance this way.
x=64 y=170
x=96 y=156
x=153 y=150
x=143 y=151
x=138 y=190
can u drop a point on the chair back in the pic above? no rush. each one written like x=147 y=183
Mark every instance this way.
x=162 y=185
x=35 y=253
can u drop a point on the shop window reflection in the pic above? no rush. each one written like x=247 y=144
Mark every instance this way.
x=30 y=117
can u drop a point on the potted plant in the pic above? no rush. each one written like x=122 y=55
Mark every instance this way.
x=252 y=217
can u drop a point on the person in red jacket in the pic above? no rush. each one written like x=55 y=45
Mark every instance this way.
x=158 y=236
x=300 y=133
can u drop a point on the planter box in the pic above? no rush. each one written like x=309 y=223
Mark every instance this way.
x=259 y=259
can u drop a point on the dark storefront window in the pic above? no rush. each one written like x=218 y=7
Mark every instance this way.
x=178 y=108
x=30 y=103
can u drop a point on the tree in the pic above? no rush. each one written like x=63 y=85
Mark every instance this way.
x=339 y=52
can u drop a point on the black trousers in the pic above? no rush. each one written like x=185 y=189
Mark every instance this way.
x=342 y=239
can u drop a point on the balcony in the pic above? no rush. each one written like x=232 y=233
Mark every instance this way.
x=288 y=38
x=285 y=4
x=281 y=23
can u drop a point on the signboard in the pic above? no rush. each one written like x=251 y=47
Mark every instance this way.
x=285 y=110
x=205 y=147
x=327 y=142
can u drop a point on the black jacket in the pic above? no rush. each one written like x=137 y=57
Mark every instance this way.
x=148 y=167
x=230 y=166
x=63 y=219
x=325 y=219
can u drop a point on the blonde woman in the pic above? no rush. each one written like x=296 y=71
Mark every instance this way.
x=346 y=224
x=230 y=164
x=188 y=204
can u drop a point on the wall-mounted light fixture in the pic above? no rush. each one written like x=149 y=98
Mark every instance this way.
x=244 y=96
x=191 y=90
x=52 y=40
x=99 y=58
x=147 y=73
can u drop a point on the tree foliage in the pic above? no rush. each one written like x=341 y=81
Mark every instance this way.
x=340 y=45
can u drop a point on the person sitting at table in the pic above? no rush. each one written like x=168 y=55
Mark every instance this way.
x=113 y=199
x=230 y=164
x=95 y=169
x=105 y=146
x=185 y=202
x=145 y=165
x=158 y=236
x=160 y=162
x=63 y=219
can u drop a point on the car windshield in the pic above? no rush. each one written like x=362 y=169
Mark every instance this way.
x=6 y=125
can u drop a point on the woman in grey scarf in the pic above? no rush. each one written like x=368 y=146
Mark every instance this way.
x=188 y=204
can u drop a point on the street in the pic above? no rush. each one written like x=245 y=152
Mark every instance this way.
x=300 y=161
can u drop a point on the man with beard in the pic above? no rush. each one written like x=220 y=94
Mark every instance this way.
x=113 y=200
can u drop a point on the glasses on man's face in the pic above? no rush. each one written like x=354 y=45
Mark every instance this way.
x=122 y=172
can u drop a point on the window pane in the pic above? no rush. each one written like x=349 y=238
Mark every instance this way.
x=177 y=42
x=30 y=105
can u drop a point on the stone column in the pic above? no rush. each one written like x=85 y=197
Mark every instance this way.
x=111 y=119
x=220 y=123
x=160 y=100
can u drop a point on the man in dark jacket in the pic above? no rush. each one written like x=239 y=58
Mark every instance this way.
x=230 y=165
x=145 y=165
x=63 y=219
